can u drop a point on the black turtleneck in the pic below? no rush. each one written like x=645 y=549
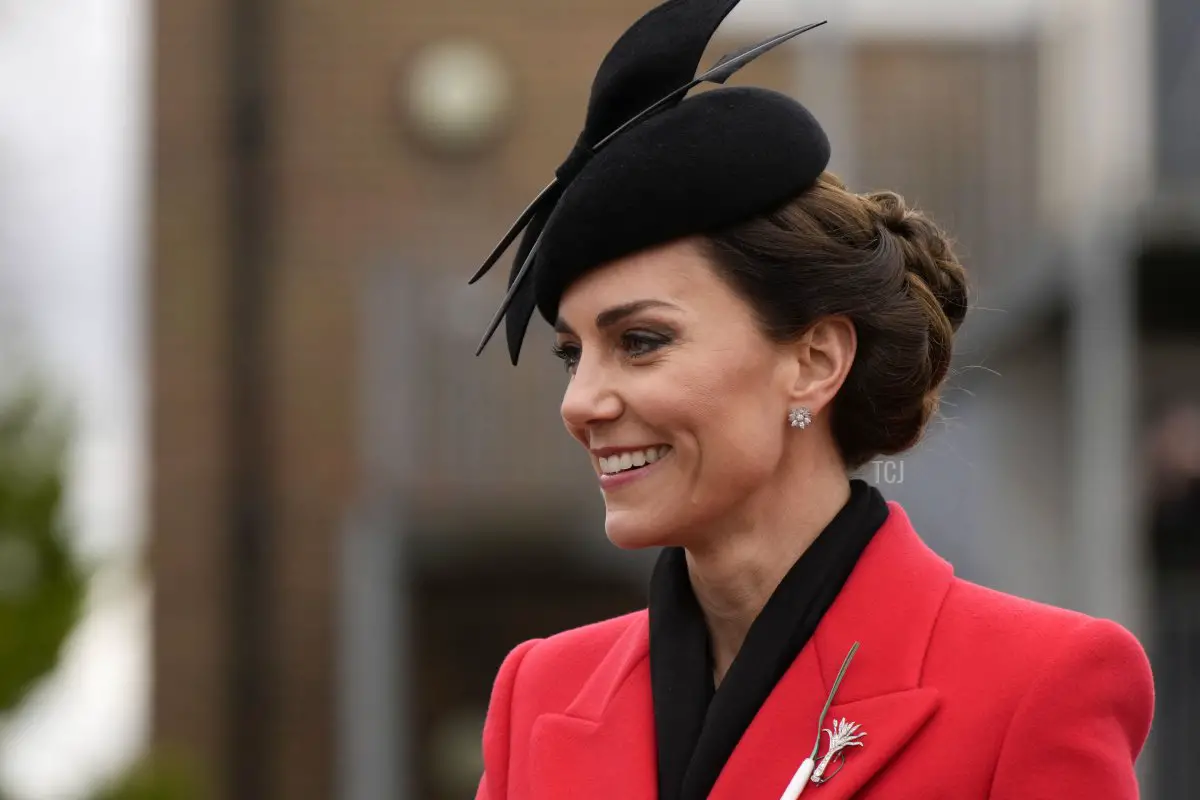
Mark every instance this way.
x=698 y=726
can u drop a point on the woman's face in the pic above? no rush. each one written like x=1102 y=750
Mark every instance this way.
x=676 y=393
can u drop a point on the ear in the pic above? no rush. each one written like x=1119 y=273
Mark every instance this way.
x=824 y=356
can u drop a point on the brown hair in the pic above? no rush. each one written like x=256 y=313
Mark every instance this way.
x=887 y=268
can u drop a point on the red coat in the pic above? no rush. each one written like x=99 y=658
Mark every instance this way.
x=963 y=692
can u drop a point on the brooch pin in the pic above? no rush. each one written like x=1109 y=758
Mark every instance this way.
x=842 y=734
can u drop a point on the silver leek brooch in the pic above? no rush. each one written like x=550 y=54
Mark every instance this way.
x=842 y=734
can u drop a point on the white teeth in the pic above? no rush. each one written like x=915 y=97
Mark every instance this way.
x=610 y=465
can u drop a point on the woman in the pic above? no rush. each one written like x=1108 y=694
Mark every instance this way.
x=742 y=332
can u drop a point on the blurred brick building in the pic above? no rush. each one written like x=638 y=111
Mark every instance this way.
x=285 y=180
x=353 y=518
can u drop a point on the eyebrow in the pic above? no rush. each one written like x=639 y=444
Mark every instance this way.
x=611 y=316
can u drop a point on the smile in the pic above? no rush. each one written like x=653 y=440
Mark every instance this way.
x=631 y=459
x=621 y=469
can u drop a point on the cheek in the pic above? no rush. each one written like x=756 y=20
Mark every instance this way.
x=735 y=425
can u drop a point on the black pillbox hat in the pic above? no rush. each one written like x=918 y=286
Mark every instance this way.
x=653 y=165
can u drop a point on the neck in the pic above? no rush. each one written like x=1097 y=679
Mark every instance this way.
x=736 y=570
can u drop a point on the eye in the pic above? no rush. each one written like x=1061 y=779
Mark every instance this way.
x=641 y=343
x=567 y=353
x=634 y=344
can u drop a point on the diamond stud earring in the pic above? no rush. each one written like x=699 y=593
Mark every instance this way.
x=800 y=417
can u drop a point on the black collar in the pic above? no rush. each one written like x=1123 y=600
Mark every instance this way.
x=698 y=727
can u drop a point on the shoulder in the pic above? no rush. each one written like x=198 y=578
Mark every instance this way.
x=1029 y=660
x=1021 y=637
x=555 y=667
x=584 y=646
x=595 y=635
x=971 y=611
x=1048 y=680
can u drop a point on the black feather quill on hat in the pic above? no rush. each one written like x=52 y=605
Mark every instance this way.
x=651 y=166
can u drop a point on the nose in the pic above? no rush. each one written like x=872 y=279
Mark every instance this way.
x=590 y=398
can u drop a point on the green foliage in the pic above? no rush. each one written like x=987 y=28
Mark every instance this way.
x=41 y=585
x=156 y=777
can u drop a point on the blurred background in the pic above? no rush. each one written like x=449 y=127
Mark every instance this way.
x=267 y=527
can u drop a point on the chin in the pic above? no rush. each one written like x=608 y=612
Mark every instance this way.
x=631 y=529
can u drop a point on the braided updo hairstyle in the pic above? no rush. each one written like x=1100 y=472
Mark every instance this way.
x=887 y=268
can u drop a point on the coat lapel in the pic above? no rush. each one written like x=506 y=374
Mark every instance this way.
x=889 y=606
x=603 y=745
x=783 y=733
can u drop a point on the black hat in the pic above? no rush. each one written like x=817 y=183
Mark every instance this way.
x=651 y=166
